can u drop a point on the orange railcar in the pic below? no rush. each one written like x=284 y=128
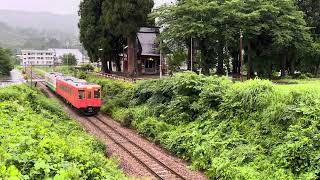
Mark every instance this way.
x=81 y=94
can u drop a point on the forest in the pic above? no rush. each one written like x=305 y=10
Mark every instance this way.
x=277 y=36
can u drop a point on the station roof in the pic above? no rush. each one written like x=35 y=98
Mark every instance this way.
x=147 y=41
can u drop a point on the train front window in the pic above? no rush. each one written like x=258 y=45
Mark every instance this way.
x=81 y=94
x=97 y=93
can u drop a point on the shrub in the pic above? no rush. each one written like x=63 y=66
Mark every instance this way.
x=250 y=130
x=127 y=119
x=39 y=141
x=248 y=97
x=151 y=128
x=86 y=67
x=82 y=75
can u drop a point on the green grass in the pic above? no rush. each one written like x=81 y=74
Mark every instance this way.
x=309 y=84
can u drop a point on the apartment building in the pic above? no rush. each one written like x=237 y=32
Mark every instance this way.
x=37 y=57
x=49 y=57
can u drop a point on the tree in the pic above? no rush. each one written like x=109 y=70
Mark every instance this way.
x=190 y=19
x=6 y=62
x=274 y=32
x=123 y=19
x=176 y=59
x=69 y=59
x=310 y=61
x=105 y=24
x=91 y=35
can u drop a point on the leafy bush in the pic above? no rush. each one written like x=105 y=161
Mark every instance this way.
x=82 y=75
x=87 y=67
x=250 y=130
x=110 y=87
x=151 y=128
x=39 y=141
x=176 y=59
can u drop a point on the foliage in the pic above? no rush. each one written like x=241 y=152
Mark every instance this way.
x=115 y=93
x=87 y=67
x=275 y=33
x=176 y=59
x=69 y=59
x=126 y=17
x=104 y=26
x=6 y=62
x=250 y=130
x=39 y=141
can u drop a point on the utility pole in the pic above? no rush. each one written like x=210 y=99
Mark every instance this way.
x=160 y=63
x=67 y=56
x=100 y=59
x=31 y=75
x=191 y=56
x=241 y=55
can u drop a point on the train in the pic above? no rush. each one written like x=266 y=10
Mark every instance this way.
x=82 y=95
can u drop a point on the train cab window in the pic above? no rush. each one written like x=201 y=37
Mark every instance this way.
x=97 y=93
x=89 y=94
x=81 y=94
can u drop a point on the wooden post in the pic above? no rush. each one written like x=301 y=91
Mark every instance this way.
x=131 y=55
x=31 y=75
x=160 y=64
x=241 y=55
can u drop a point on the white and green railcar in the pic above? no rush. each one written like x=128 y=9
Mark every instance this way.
x=51 y=80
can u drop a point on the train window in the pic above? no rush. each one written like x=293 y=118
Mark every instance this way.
x=89 y=94
x=81 y=94
x=97 y=93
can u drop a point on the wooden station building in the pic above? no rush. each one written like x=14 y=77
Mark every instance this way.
x=142 y=57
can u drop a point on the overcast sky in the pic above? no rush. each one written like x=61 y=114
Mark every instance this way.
x=54 y=6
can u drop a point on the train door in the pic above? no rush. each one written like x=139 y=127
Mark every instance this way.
x=89 y=94
x=89 y=97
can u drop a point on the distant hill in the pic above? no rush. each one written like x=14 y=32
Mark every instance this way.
x=17 y=38
x=42 y=21
x=10 y=37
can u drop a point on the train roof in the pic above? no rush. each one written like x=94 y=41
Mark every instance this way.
x=54 y=74
x=80 y=83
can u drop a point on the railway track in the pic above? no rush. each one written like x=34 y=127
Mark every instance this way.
x=151 y=163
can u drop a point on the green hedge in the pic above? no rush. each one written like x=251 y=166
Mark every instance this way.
x=250 y=130
x=39 y=141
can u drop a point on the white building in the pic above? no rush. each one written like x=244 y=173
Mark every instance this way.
x=49 y=57
x=60 y=52
x=37 y=57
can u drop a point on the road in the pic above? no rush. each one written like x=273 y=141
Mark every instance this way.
x=14 y=78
